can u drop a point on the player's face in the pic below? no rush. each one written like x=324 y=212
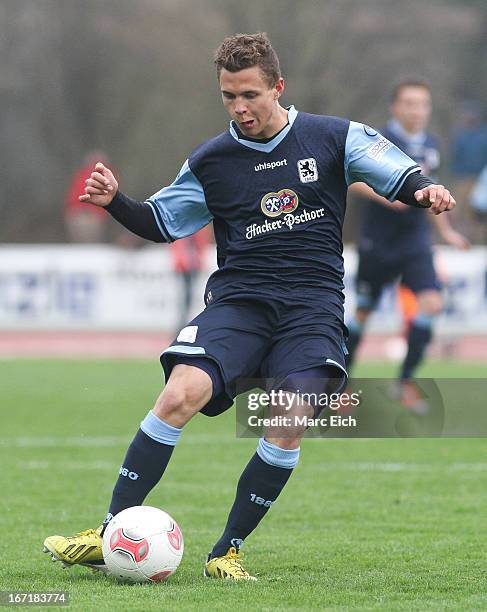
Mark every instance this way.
x=252 y=103
x=412 y=108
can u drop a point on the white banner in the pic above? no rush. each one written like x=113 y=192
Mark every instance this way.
x=92 y=286
x=103 y=287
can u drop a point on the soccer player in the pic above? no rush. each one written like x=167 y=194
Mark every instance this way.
x=395 y=241
x=274 y=184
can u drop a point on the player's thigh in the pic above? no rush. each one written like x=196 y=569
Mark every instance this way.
x=300 y=398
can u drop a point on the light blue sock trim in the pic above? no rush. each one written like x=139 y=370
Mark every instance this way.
x=423 y=320
x=278 y=457
x=159 y=430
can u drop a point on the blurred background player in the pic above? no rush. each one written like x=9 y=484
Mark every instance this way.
x=468 y=158
x=396 y=243
x=478 y=202
x=84 y=224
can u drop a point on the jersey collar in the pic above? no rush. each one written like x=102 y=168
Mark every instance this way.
x=412 y=139
x=272 y=144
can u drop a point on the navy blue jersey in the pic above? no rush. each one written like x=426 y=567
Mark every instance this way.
x=278 y=206
x=405 y=230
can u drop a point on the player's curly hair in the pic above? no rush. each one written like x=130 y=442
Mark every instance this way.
x=242 y=51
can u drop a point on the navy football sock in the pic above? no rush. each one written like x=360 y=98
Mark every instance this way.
x=419 y=336
x=259 y=486
x=144 y=464
x=355 y=331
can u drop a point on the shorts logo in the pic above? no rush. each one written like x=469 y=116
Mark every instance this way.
x=308 y=170
x=188 y=334
x=275 y=203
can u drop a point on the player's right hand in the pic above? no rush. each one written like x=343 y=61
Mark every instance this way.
x=101 y=187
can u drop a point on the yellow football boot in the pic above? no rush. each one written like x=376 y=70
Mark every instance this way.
x=228 y=567
x=84 y=548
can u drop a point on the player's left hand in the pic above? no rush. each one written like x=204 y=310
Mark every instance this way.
x=435 y=197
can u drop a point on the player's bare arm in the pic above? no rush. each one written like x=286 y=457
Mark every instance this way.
x=364 y=191
x=435 y=197
x=449 y=234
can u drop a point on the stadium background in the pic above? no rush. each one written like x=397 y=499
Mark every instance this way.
x=135 y=80
x=124 y=78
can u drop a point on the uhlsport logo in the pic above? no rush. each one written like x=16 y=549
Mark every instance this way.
x=270 y=165
x=275 y=203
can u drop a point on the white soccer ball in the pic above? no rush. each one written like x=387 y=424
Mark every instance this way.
x=142 y=544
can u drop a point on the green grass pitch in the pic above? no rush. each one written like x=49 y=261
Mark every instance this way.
x=362 y=525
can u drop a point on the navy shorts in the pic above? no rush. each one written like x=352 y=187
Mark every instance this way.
x=375 y=271
x=252 y=338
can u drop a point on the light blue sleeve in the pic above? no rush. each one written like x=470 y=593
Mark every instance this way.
x=180 y=209
x=370 y=158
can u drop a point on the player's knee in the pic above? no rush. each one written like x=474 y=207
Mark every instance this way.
x=430 y=303
x=181 y=400
x=171 y=405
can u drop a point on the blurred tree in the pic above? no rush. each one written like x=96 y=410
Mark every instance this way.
x=136 y=79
